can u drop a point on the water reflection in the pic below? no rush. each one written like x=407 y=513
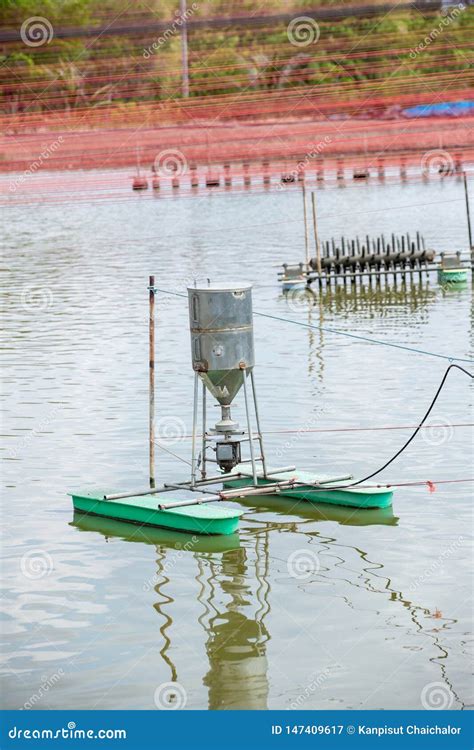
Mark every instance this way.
x=389 y=297
x=235 y=593
x=235 y=629
x=167 y=538
x=372 y=579
x=395 y=299
x=234 y=590
x=321 y=511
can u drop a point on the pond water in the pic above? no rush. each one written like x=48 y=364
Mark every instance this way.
x=97 y=614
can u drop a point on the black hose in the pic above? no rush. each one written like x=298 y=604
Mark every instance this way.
x=414 y=434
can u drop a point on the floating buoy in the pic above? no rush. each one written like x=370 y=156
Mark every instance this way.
x=139 y=183
x=194 y=176
x=451 y=270
x=292 y=277
x=360 y=174
x=212 y=179
x=247 y=180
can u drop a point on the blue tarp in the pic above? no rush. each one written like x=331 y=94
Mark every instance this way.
x=444 y=109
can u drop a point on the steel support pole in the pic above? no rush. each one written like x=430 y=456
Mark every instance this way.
x=468 y=212
x=151 y=417
x=186 y=485
x=203 y=444
x=257 y=419
x=316 y=235
x=306 y=237
x=249 y=430
x=193 y=445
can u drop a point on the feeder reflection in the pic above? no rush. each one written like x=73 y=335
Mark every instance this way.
x=131 y=532
x=234 y=592
x=236 y=633
x=395 y=298
x=321 y=511
x=388 y=297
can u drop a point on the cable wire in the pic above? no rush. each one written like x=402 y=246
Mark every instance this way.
x=342 y=333
x=413 y=435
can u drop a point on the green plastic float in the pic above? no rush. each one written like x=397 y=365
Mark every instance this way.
x=198 y=519
x=451 y=270
x=351 y=497
x=452 y=275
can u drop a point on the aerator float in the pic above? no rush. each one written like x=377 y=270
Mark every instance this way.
x=222 y=350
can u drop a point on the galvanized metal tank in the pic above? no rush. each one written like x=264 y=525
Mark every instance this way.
x=221 y=323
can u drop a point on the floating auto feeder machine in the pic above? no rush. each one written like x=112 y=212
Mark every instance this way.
x=223 y=359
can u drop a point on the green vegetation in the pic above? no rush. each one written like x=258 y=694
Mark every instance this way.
x=356 y=55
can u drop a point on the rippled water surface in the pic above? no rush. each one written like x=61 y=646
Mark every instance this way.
x=100 y=615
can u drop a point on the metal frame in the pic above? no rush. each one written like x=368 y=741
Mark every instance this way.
x=168 y=486
x=200 y=462
x=207 y=438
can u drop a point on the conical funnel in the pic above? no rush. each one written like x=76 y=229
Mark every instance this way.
x=223 y=384
x=220 y=317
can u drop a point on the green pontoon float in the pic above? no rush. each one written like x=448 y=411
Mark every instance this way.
x=293 y=277
x=144 y=510
x=221 y=323
x=317 y=489
x=451 y=269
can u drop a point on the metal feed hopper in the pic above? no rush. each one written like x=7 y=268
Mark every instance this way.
x=220 y=318
x=222 y=352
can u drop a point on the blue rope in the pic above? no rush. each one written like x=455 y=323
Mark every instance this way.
x=365 y=338
x=341 y=333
